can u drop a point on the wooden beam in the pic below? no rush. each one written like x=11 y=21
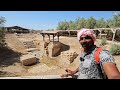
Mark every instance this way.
x=43 y=36
x=114 y=31
x=49 y=37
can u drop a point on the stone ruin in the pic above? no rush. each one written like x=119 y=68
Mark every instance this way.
x=27 y=60
x=70 y=56
x=52 y=49
x=67 y=58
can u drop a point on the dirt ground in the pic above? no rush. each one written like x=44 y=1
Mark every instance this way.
x=10 y=60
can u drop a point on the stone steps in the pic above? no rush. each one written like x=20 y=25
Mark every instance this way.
x=29 y=44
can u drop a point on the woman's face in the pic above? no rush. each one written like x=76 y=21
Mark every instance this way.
x=86 y=41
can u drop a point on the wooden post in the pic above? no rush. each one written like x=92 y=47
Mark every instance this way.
x=53 y=37
x=69 y=32
x=58 y=38
x=43 y=36
x=114 y=31
x=49 y=37
x=100 y=33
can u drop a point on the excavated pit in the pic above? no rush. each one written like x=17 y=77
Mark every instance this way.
x=37 y=57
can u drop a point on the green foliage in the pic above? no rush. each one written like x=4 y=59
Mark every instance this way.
x=63 y=26
x=2 y=21
x=103 y=41
x=111 y=23
x=2 y=32
x=71 y=25
x=116 y=18
x=115 y=49
x=101 y=23
x=2 y=35
x=90 y=23
x=81 y=23
x=117 y=35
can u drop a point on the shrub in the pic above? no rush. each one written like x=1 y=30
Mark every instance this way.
x=103 y=41
x=2 y=32
x=115 y=49
x=2 y=35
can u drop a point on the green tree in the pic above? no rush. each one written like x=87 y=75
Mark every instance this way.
x=63 y=25
x=2 y=32
x=81 y=23
x=91 y=22
x=116 y=18
x=71 y=25
x=111 y=23
x=101 y=23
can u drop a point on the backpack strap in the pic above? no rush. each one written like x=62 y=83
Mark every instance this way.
x=97 y=59
x=96 y=55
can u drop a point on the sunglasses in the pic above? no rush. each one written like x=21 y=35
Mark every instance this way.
x=88 y=37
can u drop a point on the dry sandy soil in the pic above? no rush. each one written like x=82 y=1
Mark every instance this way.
x=10 y=60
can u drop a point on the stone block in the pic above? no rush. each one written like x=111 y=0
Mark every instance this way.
x=28 y=60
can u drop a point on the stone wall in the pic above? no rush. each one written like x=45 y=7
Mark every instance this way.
x=54 y=49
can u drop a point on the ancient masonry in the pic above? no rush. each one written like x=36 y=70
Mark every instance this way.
x=28 y=60
x=29 y=44
x=69 y=55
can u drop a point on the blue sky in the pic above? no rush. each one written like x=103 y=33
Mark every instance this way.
x=43 y=20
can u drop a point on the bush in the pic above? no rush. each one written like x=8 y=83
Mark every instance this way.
x=2 y=35
x=2 y=41
x=115 y=49
x=2 y=32
x=103 y=41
